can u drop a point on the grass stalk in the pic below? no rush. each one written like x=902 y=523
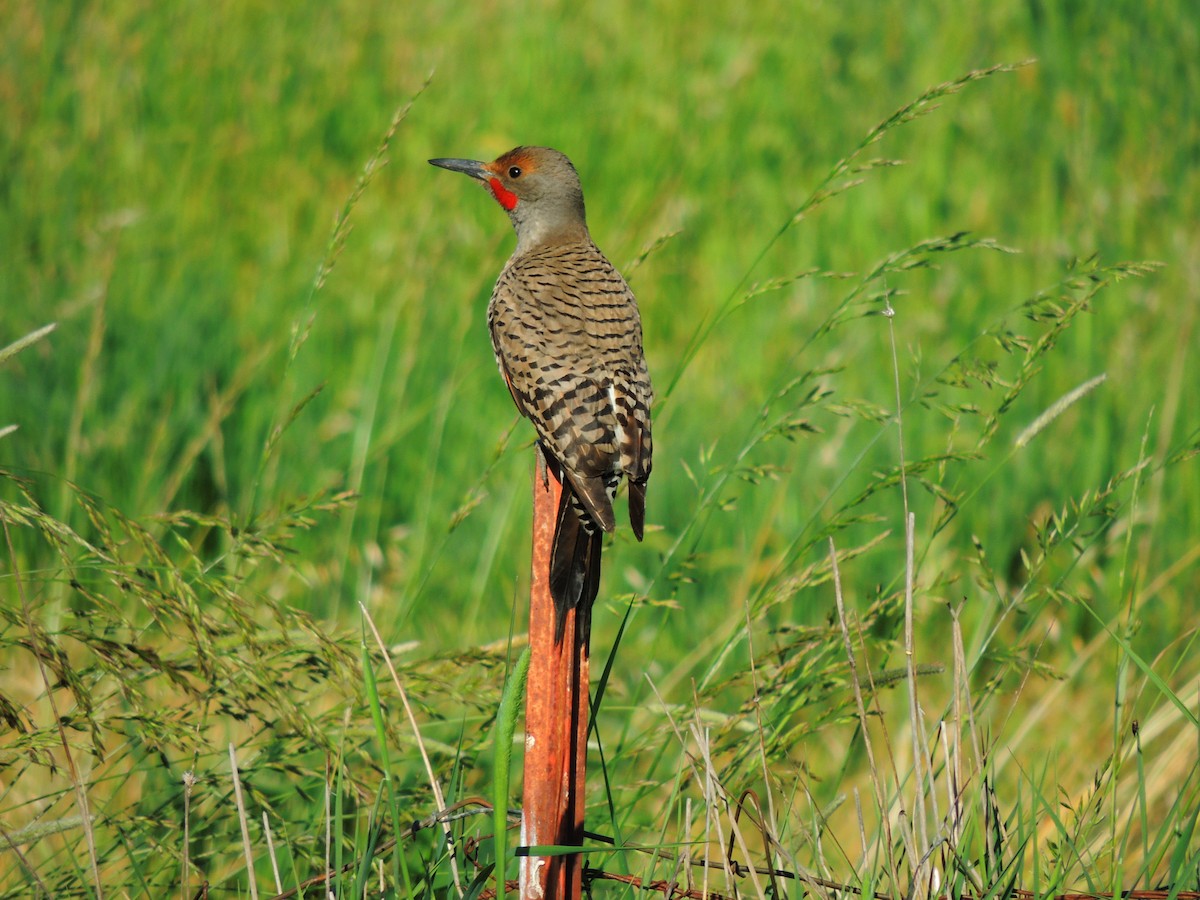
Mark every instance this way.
x=189 y=782
x=39 y=652
x=243 y=820
x=502 y=741
x=435 y=786
x=388 y=787
x=271 y=852
x=876 y=782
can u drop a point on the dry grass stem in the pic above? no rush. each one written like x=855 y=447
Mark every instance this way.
x=434 y=785
x=243 y=820
x=271 y=853
x=856 y=684
x=79 y=788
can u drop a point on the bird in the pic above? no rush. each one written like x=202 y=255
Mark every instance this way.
x=567 y=335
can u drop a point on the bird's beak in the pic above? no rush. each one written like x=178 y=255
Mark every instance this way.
x=471 y=167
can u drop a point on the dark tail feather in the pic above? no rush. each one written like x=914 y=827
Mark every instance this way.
x=574 y=567
x=637 y=506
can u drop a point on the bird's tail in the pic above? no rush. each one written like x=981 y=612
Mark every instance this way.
x=574 y=564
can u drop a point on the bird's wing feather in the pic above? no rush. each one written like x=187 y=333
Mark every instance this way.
x=567 y=336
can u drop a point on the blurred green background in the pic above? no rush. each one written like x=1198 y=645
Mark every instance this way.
x=171 y=173
x=170 y=177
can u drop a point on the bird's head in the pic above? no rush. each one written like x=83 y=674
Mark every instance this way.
x=538 y=188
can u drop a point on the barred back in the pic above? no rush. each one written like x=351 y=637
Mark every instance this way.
x=568 y=339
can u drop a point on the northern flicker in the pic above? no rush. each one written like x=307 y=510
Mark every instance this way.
x=568 y=340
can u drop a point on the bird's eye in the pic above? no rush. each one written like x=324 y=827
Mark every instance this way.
x=514 y=171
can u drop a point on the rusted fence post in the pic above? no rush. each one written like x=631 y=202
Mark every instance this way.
x=556 y=718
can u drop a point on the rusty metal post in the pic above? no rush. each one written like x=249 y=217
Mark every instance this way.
x=556 y=718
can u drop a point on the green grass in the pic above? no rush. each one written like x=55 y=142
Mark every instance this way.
x=270 y=397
